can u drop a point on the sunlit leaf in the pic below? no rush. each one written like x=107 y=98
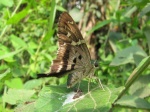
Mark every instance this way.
x=17 y=17
x=60 y=99
x=8 y=3
x=133 y=102
x=15 y=96
x=141 y=87
x=14 y=83
x=126 y=55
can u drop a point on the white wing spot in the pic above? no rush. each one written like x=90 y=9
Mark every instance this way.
x=65 y=27
x=77 y=43
x=73 y=43
x=58 y=51
x=58 y=70
x=70 y=22
x=68 y=34
x=68 y=67
x=61 y=62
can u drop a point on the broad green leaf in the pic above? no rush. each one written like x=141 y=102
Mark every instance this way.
x=138 y=58
x=4 y=51
x=135 y=74
x=130 y=11
x=126 y=55
x=15 y=96
x=29 y=107
x=138 y=71
x=8 y=3
x=114 y=37
x=6 y=55
x=133 y=102
x=31 y=84
x=145 y=10
x=141 y=87
x=99 y=25
x=76 y=14
x=2 y=109
x=17 y=42
x=14 y=83
x=32 y=44
x=32 y=47
x=95 y=100
x=55 y=98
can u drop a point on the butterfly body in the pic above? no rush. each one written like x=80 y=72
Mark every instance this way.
x=78 y=75
x=73 y=57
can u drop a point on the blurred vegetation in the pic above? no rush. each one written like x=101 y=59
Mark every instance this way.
x=117 y=34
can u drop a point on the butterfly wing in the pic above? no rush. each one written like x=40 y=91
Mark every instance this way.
x=73 y=55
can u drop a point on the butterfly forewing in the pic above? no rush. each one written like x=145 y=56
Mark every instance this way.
x=69 y=32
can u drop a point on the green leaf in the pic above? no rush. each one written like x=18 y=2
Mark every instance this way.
x=14 y=96
x=147 y=34
x=138 y=58
x=60 y=8
x=57 y=98
x=130 y=11
x=95 y=100
x=17 y=42
x=4 y=54
x=134 y=102
x=76 y=14
x=10 y=54
x=8 y=3
x=17 y=17
x=14 y=83
x=5 y=75
x=25 y=108
x=145 y=10
x=31 y=84
x=126 y=55
x=138 y=71
x=51 y=23
x=134 y=75
x=140 y=87
x=99 y=25
x=113 y=41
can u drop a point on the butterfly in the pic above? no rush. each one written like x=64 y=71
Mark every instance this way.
x=73 y=57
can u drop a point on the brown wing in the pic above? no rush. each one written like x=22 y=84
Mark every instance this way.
x=69 y=33
x=73 y=53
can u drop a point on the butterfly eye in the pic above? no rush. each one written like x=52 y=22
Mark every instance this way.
x=95 y=64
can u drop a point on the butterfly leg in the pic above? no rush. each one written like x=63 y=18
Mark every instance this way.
x=89 y=81
x=99 y=82
x=89 y=86
x=78 y=88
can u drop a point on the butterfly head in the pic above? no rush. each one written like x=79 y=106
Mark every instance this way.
x=95 y=63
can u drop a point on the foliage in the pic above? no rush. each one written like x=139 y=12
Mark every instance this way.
x=117 y=30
